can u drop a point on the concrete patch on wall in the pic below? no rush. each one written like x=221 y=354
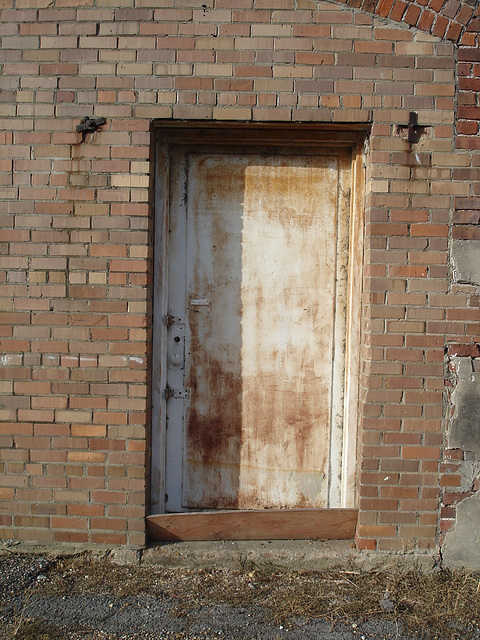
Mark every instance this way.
x=464 y=429
x=462 y=545
x=465 y=256
x=469 y=474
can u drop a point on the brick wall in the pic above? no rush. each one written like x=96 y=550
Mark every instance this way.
x=76 y=240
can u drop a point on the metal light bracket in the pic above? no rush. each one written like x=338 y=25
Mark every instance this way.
x=413 y=129
x=89 y=125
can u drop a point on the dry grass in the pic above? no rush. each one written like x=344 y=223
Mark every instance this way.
x=35 y=630
x=439 y=605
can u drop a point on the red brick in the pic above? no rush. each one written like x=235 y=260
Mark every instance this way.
x=426 y=20
x=412 y=14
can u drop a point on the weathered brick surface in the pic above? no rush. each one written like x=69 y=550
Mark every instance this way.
x=76 y=244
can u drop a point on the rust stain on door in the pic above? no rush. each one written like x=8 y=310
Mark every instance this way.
x=261 y=288
x=214 y=308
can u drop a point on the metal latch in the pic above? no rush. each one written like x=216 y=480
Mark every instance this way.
x=176 y=393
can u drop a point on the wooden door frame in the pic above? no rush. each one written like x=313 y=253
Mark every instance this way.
x=199 y=134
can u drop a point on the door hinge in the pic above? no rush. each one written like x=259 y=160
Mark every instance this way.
x=169 y=320
x=176 y=393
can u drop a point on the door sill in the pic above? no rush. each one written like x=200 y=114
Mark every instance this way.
x=268 y=524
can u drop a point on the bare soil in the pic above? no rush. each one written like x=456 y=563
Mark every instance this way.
x=88 y=597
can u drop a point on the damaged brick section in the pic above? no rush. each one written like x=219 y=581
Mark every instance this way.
x=464 y=428
x=460 y=479
x=461 y=469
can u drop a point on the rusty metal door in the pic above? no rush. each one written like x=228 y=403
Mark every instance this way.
x=257 y=276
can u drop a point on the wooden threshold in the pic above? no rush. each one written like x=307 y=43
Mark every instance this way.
x=271 y=524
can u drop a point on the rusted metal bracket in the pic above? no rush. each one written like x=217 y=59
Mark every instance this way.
x=414 y=130
x=176 y=393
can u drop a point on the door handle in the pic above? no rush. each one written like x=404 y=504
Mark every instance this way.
x=176 y=359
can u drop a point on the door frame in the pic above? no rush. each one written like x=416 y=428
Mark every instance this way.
x=198 y=134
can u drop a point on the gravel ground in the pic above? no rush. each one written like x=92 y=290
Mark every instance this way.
x=89 y=598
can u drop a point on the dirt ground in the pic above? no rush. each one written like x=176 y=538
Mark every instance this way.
x=179 y=594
